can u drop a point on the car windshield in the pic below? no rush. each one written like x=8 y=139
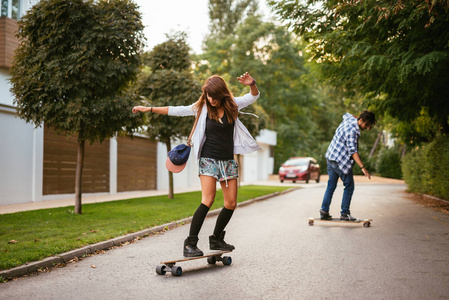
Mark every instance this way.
x=296 y=162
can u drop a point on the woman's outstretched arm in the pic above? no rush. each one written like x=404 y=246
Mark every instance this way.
x=157 y=110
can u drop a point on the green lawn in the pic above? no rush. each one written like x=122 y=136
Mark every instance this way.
x=47 y=232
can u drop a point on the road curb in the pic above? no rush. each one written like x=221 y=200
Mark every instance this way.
x=436 y=198
x=92 y=249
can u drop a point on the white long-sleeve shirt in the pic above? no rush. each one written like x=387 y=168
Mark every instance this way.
x=243 y=141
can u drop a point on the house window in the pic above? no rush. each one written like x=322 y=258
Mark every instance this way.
x=4 y=8
x=10 y=9
x=15 y=9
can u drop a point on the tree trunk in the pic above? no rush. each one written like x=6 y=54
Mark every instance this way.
x=404 y=151
x=171 y=195
x=79 y=176
x=375 y=145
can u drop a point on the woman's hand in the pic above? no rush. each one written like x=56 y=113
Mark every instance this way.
x=138 y=108
x=246 y=79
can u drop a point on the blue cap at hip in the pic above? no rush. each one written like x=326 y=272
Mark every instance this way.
x=179 y=155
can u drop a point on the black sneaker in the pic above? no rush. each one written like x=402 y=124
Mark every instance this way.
x=190 y=248
x=219 y=243
x=325 y=215
x=348 y=217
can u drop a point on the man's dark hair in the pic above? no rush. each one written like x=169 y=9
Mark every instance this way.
x=368 y=117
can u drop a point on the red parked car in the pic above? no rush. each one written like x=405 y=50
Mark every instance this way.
x=300 y=168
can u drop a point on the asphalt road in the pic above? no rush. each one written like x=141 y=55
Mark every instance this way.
x=403 y=255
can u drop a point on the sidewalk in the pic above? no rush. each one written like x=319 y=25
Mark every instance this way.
x=89 y=198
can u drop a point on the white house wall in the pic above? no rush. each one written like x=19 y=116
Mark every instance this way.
x=21 y=160
x=6 y=97
x=187 y=178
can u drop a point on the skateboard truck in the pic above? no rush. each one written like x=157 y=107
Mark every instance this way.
x=212 y=258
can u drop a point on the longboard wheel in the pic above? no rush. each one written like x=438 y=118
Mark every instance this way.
x=211 y=260
x=160 y=270
x=176 y=271
x=366 y=224
x=227 y=260
x=311 y=222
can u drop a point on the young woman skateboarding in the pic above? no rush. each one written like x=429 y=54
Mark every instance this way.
x=219 y=135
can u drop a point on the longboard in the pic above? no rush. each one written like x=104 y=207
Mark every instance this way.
x=365 y=222
x=212 y=258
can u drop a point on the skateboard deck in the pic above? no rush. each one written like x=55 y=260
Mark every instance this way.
x=365 y=222
x=212 y=258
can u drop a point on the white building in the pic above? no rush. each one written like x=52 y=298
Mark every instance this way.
x=20 y=144
x=38 y=165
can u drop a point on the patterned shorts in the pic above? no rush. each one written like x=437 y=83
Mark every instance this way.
x=219 y=169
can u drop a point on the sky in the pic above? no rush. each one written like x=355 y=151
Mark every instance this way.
x=191 y=16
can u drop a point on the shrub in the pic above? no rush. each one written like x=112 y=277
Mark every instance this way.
x=388 y=164
x=426 y=170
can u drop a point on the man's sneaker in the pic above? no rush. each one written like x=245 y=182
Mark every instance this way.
x=348 y=217
x=190 y=248
x=218 y=243
x=325 y=215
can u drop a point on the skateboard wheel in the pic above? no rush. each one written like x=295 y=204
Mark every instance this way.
x=311 y=222
x=211 y=260
x=227 y=260
x=176 y=271
x=160 y=270
x=366 y=224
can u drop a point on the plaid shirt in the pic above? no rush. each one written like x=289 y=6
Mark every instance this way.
x=345 y=143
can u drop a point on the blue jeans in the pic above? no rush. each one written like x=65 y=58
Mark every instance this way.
x=348 y=182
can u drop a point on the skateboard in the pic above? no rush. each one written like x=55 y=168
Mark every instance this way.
x=212 y=258
x=365 y=222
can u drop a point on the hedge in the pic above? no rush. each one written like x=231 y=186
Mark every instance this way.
x=388 y=164
x=426 y=169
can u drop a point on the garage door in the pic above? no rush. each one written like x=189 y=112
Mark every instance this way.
x=60 y=153
x=136 y=164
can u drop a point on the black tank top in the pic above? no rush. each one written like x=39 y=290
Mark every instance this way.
x=219 y=142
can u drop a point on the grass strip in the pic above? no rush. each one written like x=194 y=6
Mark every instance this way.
x=47 y=232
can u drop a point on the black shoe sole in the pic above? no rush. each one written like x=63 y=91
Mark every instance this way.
x=193 y=255
x=221 y=249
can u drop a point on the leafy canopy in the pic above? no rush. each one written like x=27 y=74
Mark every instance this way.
x=395 y=50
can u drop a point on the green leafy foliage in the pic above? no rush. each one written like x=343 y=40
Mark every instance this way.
x=167 y=80
x=389 y=164
x=396 y=48
x=225 y=16
x=426 y=169
x=74 y=60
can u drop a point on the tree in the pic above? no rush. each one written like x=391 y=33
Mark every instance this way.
x=275 y=58
x=167 y=80
x=394 y=51
x=74 y=61
x=226 y=15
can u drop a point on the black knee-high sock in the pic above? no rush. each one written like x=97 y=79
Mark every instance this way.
x=198 y=219
x=222 y=220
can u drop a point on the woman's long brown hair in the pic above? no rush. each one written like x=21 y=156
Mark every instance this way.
x=216 y=88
